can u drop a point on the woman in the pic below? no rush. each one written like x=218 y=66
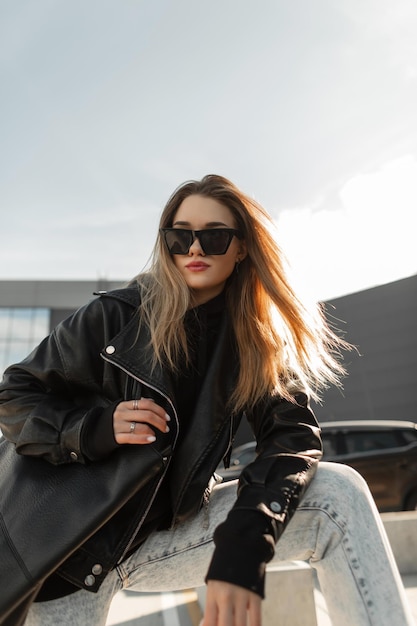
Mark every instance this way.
x=168 y=366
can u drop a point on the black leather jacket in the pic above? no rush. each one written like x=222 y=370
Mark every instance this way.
x=95 y=359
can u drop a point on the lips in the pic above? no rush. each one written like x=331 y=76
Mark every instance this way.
x=197 y=266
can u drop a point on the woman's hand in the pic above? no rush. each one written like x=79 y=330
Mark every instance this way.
x=230 y=605
x=134 y=421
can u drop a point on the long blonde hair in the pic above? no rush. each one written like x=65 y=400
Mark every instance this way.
x=282 y=344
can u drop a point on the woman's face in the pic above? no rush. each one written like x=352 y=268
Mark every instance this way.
x=205 y=274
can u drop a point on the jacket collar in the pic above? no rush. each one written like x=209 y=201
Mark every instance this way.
x=131 y=349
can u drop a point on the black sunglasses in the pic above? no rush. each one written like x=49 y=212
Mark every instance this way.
x=212 y=240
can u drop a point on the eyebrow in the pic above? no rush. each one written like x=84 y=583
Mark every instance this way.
x=207 y=225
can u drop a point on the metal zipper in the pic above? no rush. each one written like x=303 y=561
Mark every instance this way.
x=142 y=519
x=228 y=453
x=168 y=460
x=206 y=502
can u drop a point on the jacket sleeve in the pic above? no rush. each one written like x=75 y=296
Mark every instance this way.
x=288 y=450
x=46 y=399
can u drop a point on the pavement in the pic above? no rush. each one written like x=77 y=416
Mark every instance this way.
x=130 y=608
x=182 y=608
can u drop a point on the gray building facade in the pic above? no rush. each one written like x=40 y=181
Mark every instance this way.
x=382 y=375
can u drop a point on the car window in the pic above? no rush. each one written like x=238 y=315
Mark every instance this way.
x=368 y=441
x=329 y=444
x=409 y=436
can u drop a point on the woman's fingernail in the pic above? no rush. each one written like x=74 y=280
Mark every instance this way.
x=167 y=429
x=151 y=438
x=167 y=417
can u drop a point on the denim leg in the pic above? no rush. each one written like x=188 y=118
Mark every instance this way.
x=338 y=530
x=176 y=559
x=77 y=609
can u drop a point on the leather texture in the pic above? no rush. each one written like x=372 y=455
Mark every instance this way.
x=44 y=515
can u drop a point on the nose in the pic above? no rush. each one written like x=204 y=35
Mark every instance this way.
x=195 y=247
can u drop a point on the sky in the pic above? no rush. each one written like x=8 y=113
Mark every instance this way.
x=308 y=105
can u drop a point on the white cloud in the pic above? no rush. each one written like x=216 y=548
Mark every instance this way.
x=370 y=240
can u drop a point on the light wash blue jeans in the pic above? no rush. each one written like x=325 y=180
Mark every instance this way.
x=336 y=528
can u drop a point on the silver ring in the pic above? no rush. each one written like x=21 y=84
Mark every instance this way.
x=132 y=427
x=135 y=405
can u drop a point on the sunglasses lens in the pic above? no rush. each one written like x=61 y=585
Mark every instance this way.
x=178 y=240
x=215 y=241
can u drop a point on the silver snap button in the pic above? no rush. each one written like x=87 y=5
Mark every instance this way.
x=89 y=580
x=73 y=456
x=275 y=506
x=110 y=349
x=97 y=569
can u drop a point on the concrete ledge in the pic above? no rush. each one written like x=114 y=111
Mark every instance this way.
x=289 y=595
x=401 y=528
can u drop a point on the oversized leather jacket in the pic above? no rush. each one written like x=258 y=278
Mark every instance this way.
x=97 y=358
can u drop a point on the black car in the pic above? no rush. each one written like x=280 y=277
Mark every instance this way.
x=383 y=452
